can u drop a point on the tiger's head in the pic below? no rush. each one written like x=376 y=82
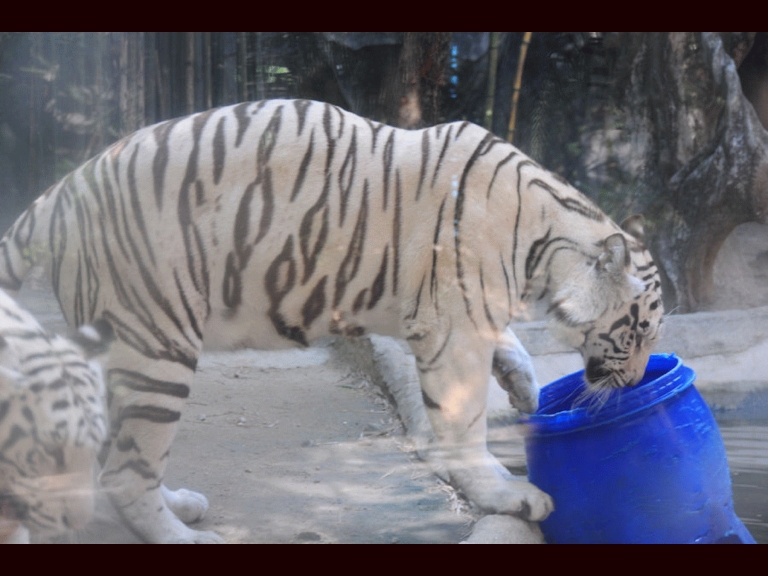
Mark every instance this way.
x=52 y=428
x=610 y=309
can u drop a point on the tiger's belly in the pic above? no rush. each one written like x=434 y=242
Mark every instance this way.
x=270 y=320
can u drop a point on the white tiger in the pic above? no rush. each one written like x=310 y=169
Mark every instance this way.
x=272 y=223
x=52 y=425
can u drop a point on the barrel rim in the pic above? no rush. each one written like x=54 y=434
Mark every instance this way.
x=622 y=404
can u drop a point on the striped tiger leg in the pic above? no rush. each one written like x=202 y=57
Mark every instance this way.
x=145 y=408
x=454 y=383
x=513 y=369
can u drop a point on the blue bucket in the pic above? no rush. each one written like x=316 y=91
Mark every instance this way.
x=647 y=466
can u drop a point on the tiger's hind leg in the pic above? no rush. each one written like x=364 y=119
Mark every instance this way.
x=454 y=371
x=145 y=409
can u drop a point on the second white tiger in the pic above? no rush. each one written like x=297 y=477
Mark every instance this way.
x=52 y=424
x=272 y=223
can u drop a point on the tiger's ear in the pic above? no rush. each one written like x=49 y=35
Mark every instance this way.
x=591 y=290
x=612 y=267
x=614 y=259
x=633 y=225
x=94 y=338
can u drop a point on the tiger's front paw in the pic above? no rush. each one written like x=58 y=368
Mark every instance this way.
x=495 y=491
x=526 y=501
x=515 y=497
x=187 y=505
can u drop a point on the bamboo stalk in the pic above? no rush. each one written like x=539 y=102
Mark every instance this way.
x=518 y=84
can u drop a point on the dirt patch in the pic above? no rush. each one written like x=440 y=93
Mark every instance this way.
x=305 y=454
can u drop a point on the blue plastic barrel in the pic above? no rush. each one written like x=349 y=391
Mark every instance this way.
x=645 y=465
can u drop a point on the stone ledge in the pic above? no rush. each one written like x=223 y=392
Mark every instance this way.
x=687 y=335
x=726 y=349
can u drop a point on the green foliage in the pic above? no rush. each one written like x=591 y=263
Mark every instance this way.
x=573 y=149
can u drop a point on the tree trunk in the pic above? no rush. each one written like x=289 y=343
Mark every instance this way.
x=259 y=68
x=33 y=187
x=163 y=46
x=227 y=72
x=100 y=90
x=423 y=60
x=242 y=66
x=131 y=82
x=126 y=110
x=151 y=75
x=189 y=53
x=139 y=86
x=207 y=72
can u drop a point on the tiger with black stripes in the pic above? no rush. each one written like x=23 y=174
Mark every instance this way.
x=52 y=424
x=271 y=223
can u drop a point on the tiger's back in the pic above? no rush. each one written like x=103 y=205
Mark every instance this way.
x=306 y=217
x=299 y=199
